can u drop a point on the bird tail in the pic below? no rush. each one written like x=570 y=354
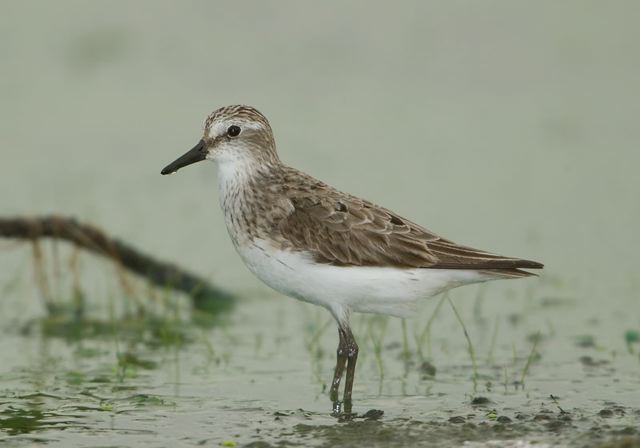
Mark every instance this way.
x=508 y=273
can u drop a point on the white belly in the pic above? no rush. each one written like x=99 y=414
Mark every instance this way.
x=345 y=289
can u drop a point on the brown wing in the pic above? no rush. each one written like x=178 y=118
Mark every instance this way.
x=344 y=230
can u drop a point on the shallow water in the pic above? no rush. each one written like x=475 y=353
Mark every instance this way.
x=503 y=126
x=259 y=374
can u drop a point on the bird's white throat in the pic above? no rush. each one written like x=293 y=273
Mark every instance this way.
x=234 y=192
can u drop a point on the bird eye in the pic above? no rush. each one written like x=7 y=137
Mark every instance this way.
x=233 y=131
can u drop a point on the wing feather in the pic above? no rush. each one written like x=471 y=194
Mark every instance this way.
x=341 y=229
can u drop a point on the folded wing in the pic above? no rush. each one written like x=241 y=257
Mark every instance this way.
x=344 y=230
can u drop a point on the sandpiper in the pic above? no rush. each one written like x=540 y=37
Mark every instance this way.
x=312 y=242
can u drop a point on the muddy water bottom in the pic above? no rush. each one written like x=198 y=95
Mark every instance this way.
x=258 y=377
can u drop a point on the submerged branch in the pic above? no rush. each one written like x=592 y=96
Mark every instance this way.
x=95 y=240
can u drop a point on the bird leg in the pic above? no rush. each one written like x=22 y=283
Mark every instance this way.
x=352 y=357
x=341 y=362
x=347 y=355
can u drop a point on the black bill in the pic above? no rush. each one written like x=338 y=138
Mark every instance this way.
x=195 y=154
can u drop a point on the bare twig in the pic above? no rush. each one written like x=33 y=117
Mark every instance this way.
x=97 y=241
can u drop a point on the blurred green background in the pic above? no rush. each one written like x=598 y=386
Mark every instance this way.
x=511 y=126
x=508 y=126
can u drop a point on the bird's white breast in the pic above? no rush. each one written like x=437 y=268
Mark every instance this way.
x=352 y=288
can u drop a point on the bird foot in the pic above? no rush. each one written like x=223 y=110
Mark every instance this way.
x=371 y=414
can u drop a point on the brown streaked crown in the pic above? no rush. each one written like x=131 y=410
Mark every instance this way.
x=239 y=111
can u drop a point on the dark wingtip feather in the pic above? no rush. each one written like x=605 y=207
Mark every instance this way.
x=529 y=264
x=506 y=264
